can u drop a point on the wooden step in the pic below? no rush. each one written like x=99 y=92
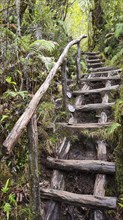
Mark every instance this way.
x=105 y=89
x=93 y=57
x=89 y=201
x=103 y=72
x=91 y=53
x=96 y=166
x=84 y=125
x=102 y=69
x=95 y=60
x=92 y=65
x=96 y=79
x=94 y=106
x=107 y=71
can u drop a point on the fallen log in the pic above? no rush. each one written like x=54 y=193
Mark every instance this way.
x=90 y=201
x=97 y=166
x=96 y=90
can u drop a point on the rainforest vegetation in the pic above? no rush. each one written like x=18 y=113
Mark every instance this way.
x=33 y=34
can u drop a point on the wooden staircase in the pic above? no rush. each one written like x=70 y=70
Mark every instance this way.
x=92 y=97
x=109 y=78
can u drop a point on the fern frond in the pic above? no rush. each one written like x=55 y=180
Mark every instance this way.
x=47 y=61
x=43 y=46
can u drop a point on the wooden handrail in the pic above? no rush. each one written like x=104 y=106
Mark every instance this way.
x=22 y=122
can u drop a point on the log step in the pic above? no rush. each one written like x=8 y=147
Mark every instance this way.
x=96 y=166
x=92 y=65
x=95 y=60
x=105 y=89
x=89 y=201
x=102 y=68
x=96 y=79
x=112 y=72
x=94 y=106
x=91 y=53
x=85 y=125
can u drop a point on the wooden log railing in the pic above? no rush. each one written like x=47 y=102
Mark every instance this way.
x=23 y=121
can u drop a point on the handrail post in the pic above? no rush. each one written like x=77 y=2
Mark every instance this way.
x=64 y=83
x=78 y=65
x=33 y=169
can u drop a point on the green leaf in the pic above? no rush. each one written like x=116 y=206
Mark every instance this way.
x=12 y=199
x=7 y=209
x=4 y=117
x=5 y=188
x=9 y=80
x=43 y=46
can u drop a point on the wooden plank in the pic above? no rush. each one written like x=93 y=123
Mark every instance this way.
x=84 y=126
x=97 y=166
x=89 y=201
x=96 y=90
x=94 y=106
x=22 y=122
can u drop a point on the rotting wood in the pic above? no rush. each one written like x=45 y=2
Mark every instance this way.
x=95 y=106
x=96 y=90
x=97 y=166
x=33 y=169
x=22 y=122
x=89 y=201
x=57 y=182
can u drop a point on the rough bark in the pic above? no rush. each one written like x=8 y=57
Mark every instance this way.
x=97 y=166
